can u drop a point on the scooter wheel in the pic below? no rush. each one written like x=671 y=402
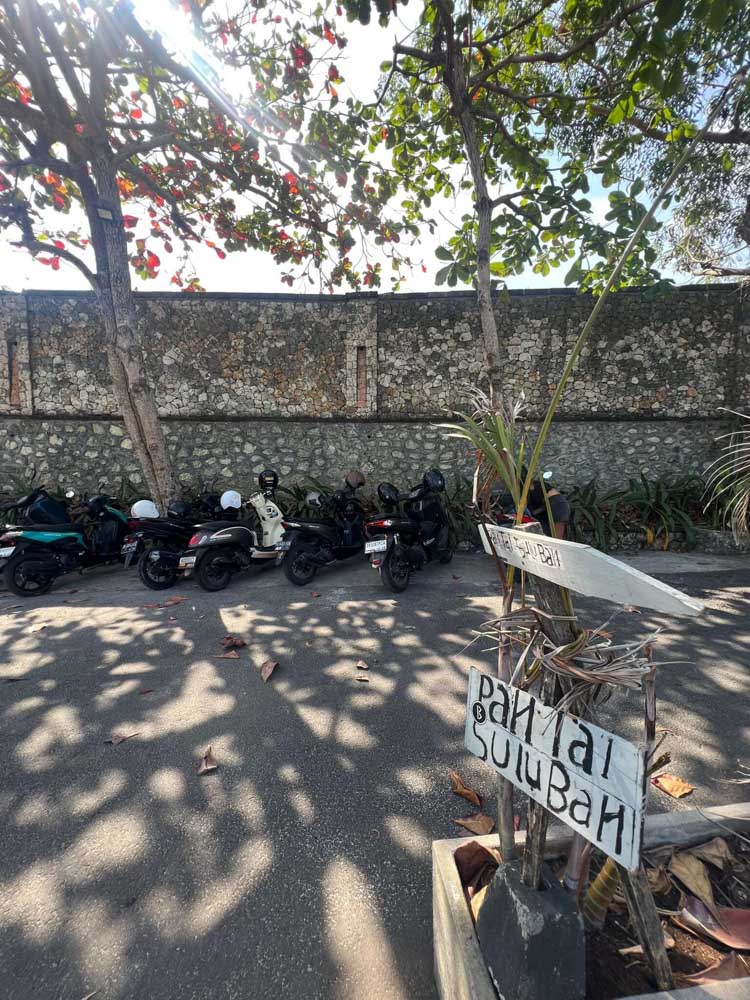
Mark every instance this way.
x=395 y=570
x=212 y=572
x=445 y=556
x=23 y=582
x=298 y=567
x=154 y=575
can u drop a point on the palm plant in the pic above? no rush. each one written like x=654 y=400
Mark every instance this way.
x=728 y=478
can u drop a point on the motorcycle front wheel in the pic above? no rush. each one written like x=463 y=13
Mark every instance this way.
x=395 y=570
x=24 y=582
x=298 y=568
x=212 y=572
x=156 y=575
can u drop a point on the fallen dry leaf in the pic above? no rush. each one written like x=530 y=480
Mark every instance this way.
x=658 y=881
x=460 y=787
x=152 y=606
x=472 y=857
x=361 y=665
x=117 y=738
x=716 y=852
x=171 y=601
x=477 y=900
x=208 y=763
x=732 y=928
x=691 y=872
x=37 y=628
x=479 y=824
x=267 y=668
x=231 y=654
x=672 y=785
x=315 y=593
x=362 y=679
x=233 y=642
x=732 y=966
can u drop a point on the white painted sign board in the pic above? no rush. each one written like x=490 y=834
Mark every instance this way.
x=590 y=779
x=585 y=570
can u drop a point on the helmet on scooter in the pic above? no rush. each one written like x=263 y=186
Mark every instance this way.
x=355 y=480
x=178 y=508
x=231 y=499
x=387 y=493
x=433 y=481
x=144 y=509
x=268 y=480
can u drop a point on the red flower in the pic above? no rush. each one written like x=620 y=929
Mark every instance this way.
x=129 y=221
x=136 y=113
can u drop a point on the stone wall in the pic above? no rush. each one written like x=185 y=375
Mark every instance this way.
x=317 y=385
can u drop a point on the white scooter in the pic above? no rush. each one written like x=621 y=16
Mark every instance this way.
x=219 y=549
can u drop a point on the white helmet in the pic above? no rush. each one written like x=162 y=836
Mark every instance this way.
x=144 y=508
x=231 y=498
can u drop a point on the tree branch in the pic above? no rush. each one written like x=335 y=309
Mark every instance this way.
x=131 y=149
x=18 y=214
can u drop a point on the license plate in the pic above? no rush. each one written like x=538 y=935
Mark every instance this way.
x=186 y=562
x=4 y=553
x=283 y=545
x=129 y=547
x=379 y=545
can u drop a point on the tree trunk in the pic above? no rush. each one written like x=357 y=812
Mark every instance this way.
x=455 y=81
x=124 y=353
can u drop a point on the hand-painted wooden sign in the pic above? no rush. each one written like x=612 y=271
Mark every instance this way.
x=585 y=570
x=590 y=779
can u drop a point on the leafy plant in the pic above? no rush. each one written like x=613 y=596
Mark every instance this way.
x=595 y=515
x=659 y=506
x=728 y=479
x=459 y=505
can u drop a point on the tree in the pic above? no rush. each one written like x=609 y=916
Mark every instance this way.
x=116 y=147
x=505 y=88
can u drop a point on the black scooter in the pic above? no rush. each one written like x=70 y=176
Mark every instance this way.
x=413 y=530
x=307 y=545
x=37 y=507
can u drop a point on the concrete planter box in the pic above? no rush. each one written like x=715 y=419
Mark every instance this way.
x=460 y=972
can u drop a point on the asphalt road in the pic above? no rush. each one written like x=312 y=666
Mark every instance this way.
x=301 y=868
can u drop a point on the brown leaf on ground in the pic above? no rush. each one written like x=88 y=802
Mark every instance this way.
x=361 y=665
x=472 y=857
x=231 y=654
x=233 y=642
x=480 y=824
x=460 y=787
x=672 y=785
x=208 y=763
x=362 y=679
x=732 y=966
x=267 y=668
x=171 y=601
x=692 y=873
x=477 y=900
x=37 y=628
x=731 y=926
x=716 y=852
x=117 y=738
x=150 y=606
x=658 y=881
x=146 y=691
x=315 y=593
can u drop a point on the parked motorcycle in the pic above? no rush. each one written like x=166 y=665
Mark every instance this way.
x=309 y=544
x=157 y=543
x=32 y=556
x=413 y=530
x=221 y=548
x=37 y=507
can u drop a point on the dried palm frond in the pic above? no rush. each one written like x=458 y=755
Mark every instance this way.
x=728 y=478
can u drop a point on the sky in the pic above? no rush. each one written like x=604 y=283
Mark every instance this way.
x=253 y=271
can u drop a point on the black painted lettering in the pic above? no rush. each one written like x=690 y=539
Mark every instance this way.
x=486 y=686
x=519 y=761
x=580 y=809
x=518 y=713
x=581 y=752
x=558 y=731
x=477 y=735
x=500 y=763
x=557 y=771
x=503 y=694
x=608 y=758
x=534 y=782
x=607 y=817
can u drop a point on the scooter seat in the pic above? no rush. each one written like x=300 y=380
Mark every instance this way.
x=217 y=525
x=68 y=528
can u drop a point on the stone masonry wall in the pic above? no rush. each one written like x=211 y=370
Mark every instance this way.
x=316 y=385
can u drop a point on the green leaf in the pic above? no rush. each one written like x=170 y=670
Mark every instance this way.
x=442 y=254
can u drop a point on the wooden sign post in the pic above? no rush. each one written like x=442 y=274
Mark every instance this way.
x=600 y=796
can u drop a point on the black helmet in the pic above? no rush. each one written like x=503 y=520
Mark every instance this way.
x=268 y=480
x=178 y=508
x=388 y=493
x=354 y=479
x=433 y=481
